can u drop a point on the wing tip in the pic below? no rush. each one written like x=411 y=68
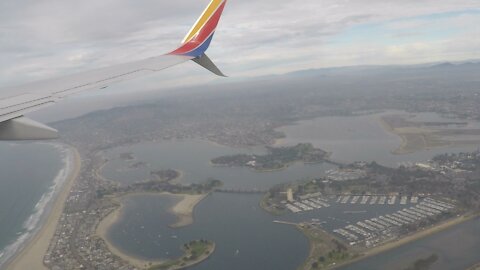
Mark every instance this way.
x=208 y=64
x=198 y=39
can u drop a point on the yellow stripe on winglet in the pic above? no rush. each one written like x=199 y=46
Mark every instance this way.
x=207 y=13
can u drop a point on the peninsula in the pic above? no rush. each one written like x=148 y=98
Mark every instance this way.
x=433 y=196
x=195 y=252
x=421 y=135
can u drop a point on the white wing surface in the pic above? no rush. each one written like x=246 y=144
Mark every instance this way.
x=16 y=101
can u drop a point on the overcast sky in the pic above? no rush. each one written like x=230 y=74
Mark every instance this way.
x=48 y=38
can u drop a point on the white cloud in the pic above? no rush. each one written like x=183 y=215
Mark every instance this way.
x=40 y=39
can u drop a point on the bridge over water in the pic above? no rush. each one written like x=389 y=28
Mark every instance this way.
x=240 y=190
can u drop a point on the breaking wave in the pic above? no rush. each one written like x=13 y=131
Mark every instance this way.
x=41 y=210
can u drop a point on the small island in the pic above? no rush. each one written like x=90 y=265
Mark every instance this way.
x=277 y=158
x=161 y=184
x=195 y=252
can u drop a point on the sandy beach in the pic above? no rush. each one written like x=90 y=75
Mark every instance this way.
x=413 y=138
x=183 y=210
x=31 y=257
x=102 y=231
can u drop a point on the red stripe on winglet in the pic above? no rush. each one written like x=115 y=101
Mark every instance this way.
x=203 y=34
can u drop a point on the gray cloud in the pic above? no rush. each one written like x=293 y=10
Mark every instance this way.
x=41 y=39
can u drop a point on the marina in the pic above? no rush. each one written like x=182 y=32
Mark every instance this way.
x=456 y=247
x=339 y=213
x=354 y=199
x=374 y=230
x=364 y=199
x=316 y=201
x=382 y=200
x=392 y=200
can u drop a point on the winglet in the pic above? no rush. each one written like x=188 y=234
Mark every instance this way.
x=205 y=62
x=198 y=39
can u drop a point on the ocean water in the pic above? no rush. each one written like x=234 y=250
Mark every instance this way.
x=30 y=176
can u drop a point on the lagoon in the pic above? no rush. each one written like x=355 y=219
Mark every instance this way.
x=246 y=236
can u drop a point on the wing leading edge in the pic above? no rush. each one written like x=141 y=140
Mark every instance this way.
x=15 y=102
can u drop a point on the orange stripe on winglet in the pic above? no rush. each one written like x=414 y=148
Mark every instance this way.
x=207 y=13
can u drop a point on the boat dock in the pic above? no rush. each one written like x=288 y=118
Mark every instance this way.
x=372 y=230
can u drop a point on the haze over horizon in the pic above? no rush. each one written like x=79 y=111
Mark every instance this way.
x=346 y=136
x=53 y=38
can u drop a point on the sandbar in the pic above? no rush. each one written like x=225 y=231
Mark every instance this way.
x=418 y=136
x=183 y=210
x=413 y=138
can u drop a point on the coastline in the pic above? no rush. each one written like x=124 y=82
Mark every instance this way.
x=409 y=238
x=102 y=231
x=31 y=256
x=98 y=172
x=474 y=267
x=183 y=210
x=416 y=138
x=387 y=127
x=412 y=139
x=200 y=259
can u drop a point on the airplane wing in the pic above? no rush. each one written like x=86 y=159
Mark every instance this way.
x=16 y=101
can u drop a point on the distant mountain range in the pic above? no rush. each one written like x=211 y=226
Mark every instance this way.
x=473 y=64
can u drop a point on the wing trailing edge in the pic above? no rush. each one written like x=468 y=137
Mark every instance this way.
x=16 y=102
x=22 y=128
